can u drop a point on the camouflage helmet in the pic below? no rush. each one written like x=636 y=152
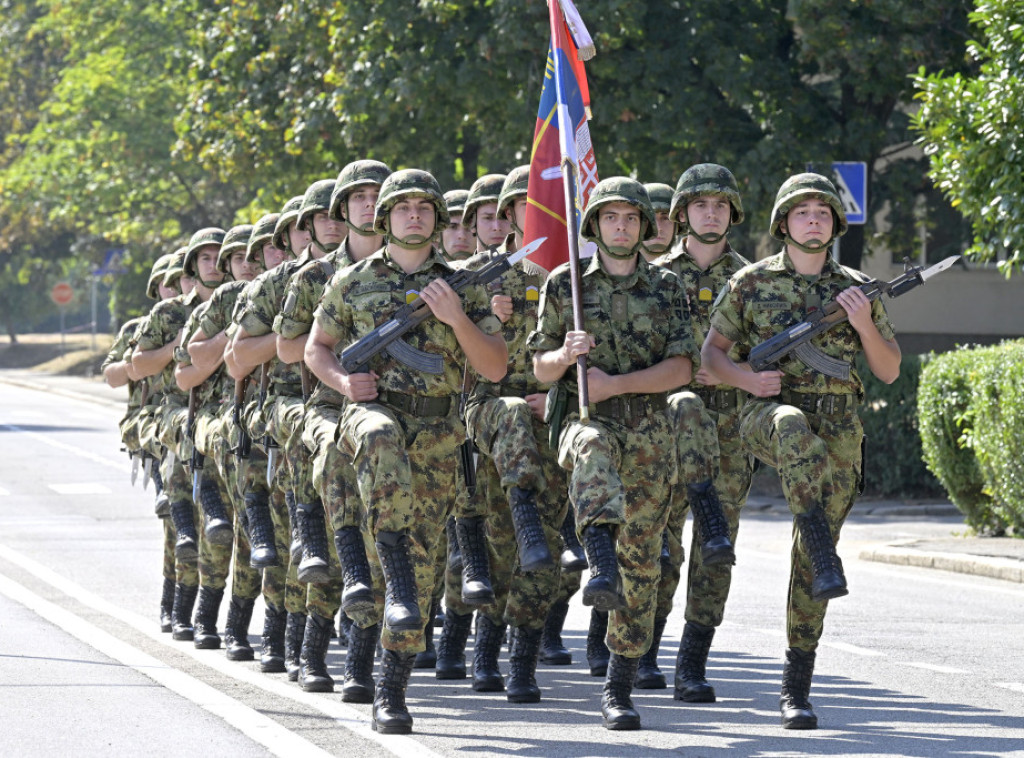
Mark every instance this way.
x=156 y=275
x=355 y=174
x=236 y=238
x=289 y=214
x=661 y=196
x=484 y=190
x=706 y=179
x=316 y=200
x=409 y=182
x=211 y=235
x=619 y=189
x=174 y=268
x=455 y=201
x=800 y=187
x=514 y=187
x=262 y=233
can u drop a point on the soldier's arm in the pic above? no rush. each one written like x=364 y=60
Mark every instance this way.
x=551 y=365
x=715 y=355
x=207 y=352
x=323 y=362
x=486 y=353
x=253 y=351
x=669 y=374
x=291 y=350
x=152 y=362
x=883 y=355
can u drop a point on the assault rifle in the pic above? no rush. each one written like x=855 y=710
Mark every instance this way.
x=195 y=464
x=797 y=339
x=244 y=448
x=269 y=445
x=356 y=357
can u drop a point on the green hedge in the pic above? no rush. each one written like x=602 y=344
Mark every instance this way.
x=971 y=409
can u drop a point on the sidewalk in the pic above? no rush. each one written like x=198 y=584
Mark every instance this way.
x=994 y=557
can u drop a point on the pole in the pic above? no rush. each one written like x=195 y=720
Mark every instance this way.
x=93 y=339
x=569 y=183
x=61 y=308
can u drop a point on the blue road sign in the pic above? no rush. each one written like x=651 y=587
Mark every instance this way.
x=852 y=183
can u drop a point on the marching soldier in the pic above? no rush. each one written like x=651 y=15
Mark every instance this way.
x=457 y=239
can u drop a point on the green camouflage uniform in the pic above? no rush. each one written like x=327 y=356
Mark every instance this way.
x=406 y=464
x=515 y=453
x=619 y=476
x=818 y=454
x=710 y=448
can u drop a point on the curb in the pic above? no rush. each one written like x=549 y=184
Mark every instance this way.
x=1005 y=569
x=760 y=504
x=44 y=387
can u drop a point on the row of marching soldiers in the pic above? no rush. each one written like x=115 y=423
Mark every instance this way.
x=444 y=466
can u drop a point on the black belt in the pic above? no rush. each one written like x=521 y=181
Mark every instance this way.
x=631 y=409
x=502 y=390
x=720 y=400
x=416 y=405
x=827 y=405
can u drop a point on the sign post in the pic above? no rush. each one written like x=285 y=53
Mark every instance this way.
x=61 y=295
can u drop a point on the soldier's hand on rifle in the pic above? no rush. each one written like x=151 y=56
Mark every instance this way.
x=443 y=301
x=537 y=401
x=857 y=307
x=361 y=388
x=764 y=383
x=575 y=345
x=501 y=306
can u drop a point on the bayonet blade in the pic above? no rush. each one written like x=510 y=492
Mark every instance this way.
x=271 y=460
x=939 y=267
x=147 y=472
x=526 y=250
x=135 y=469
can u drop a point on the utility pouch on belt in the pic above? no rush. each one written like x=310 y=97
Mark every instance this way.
x=554 y=412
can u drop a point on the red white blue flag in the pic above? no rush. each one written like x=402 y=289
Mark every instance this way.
x=561 y=138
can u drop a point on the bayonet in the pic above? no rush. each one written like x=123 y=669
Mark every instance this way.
x=135 y=468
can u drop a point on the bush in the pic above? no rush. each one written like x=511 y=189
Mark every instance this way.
x=894 y=465
x=970 y=404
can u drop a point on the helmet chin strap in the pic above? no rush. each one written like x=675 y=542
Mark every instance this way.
x=366 y=230
x=315 y=241
x=657 y=249
x=412 y=242
x=812 y=247
x=708 y=239
x=211 y=285
x=617 y=252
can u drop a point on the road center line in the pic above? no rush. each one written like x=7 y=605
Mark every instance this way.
x=124 y=468
x=933 y=667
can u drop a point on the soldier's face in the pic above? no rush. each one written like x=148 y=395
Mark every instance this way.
x=273 y=256
x=666 y=231
x=413 y=216
x=165 y=292
x=490 y=230
x=329 y=232
x=240 y=270
x=206 y=264
x=360 y=206
x=297 y=239
x=809 y=221
x=619 y=224
x=519 y=212
x=187 y=284
x=709 y=214
x=458 y=239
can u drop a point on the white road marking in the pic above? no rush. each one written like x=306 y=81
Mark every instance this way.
x=344 y=716
x=251 y=723
x=84 y=488
x=121 y=466
x=933 y=667
x=1015 y=686
x=848 y=648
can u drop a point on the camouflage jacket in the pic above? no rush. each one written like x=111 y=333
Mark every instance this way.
x=769 y=296
x=160 y=327
x=123 y=347
x=637 y=321
x=363 y=296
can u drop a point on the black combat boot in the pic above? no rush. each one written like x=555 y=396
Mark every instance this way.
x=437 y=612
x=162 y=504
x=295 y=546
x=261 y=530
x=451 y=648
x=552 y=651
x=390 y=715
x=167 y=606
x=573 y=558
x=236 y=629
x=816 y=538
x=428 y=658
x=294 y=634
x=476 y=567
x=691 y=686
x=186 y=548
x=401 y=609
x=534 y=554
x=355 y=570
x=344 y=629
x=489 y=639
x=712 y=528
x=219 y=529
x=597 y=650
x=796 y=689
x=181 y=612
x=616 y=703
x=205 y=627
x=604 y=590
x=454 y=553
x=313 y=676
x=314 y=567
x=272 y=653
x=362 y=648
x=522 y=669
x=648 y=675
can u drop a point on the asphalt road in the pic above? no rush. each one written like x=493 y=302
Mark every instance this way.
x=915 y=662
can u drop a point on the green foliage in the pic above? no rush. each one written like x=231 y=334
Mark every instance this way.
x=894 y=466
x=969 y=403
x=970 y=129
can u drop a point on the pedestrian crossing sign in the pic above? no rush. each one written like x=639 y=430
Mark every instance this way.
x=851 y=179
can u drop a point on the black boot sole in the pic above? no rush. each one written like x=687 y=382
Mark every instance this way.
x=272 y=665
x=526 y=696
x=692 y=695
x=651 y=681
x=391 y=728
x=718 y=557
x=561 y=658
x=220 y=533
x=603 y=599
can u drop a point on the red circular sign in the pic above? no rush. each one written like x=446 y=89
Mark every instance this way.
x=62 y=293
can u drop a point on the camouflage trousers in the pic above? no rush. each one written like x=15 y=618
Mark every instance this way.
x=178 y=488
x=820 y=463
x=619 y=477
x=406 y=470
x=514 y=453
x=286 y=424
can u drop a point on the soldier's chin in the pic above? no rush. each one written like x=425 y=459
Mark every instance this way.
x=818 y=246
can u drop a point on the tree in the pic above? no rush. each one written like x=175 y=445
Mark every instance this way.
x=970 y=129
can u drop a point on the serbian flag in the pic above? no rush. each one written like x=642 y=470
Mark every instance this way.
x=561 y=135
